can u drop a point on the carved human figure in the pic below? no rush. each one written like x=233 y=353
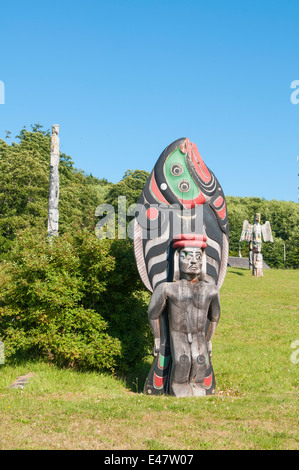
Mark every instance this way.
x=190 y=301
x=182 y=201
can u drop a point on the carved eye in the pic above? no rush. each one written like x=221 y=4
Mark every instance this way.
x=184 y=186
x=176 y=169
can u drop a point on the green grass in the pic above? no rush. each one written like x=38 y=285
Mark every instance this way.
x=255 y=407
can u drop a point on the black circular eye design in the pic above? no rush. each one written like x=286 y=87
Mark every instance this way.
x=176 y=169
x=201 y=360
x=184 y=359
x=184 y=186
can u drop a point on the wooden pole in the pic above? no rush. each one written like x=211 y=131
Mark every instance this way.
x=53 y=214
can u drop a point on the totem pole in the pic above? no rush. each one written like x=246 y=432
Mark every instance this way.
x=253 y=234
x=53 y=214
x=181 y=251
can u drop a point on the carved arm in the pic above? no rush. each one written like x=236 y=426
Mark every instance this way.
x=156 y=307
x=213 y=316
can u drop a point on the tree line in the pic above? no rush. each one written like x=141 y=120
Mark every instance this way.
x=284 y=219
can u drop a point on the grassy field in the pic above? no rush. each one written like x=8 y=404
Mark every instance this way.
x=256 y=405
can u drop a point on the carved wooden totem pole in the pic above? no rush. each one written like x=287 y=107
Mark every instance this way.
x=253 y=234
x=181 y=251
x=53 y=214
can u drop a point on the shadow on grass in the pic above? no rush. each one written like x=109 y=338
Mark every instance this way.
x=136 y=378
x=237 y=272
x=133 y=380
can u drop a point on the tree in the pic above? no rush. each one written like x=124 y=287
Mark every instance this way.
x=76 y=302
x=130 y=186
x=24 y=184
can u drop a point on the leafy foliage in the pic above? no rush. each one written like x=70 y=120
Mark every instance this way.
x=284 y=219
x=24 y=188
x=130 y=186
x=73 y=301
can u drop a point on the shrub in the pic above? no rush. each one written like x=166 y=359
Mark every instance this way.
x=75 y=301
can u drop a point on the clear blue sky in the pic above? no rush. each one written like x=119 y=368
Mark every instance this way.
x=124 y=78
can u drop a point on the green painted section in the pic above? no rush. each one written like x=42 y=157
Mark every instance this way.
x=173 y=181
x=163 y=360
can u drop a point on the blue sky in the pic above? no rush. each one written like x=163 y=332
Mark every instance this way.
x=125 y=78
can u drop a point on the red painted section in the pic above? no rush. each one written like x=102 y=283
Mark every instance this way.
x=157 y=191
x=159 y=381
x=194 y=243
x=192 y=150
x=152 y=213
x=190 y=203
x=190 y=239
x=208 y=381
x=199 y=165
x=218 y=201
x=222 y=212
x=190 y=236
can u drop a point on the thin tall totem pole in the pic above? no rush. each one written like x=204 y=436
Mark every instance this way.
x=53 y=213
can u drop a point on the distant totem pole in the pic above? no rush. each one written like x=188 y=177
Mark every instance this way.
x=53 y=214
x=181 y=251
x=253 y=234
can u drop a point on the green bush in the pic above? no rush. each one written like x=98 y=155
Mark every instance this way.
x=284 y=219
x=75 y=301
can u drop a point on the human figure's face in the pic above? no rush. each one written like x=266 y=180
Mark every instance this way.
x=191 y=261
